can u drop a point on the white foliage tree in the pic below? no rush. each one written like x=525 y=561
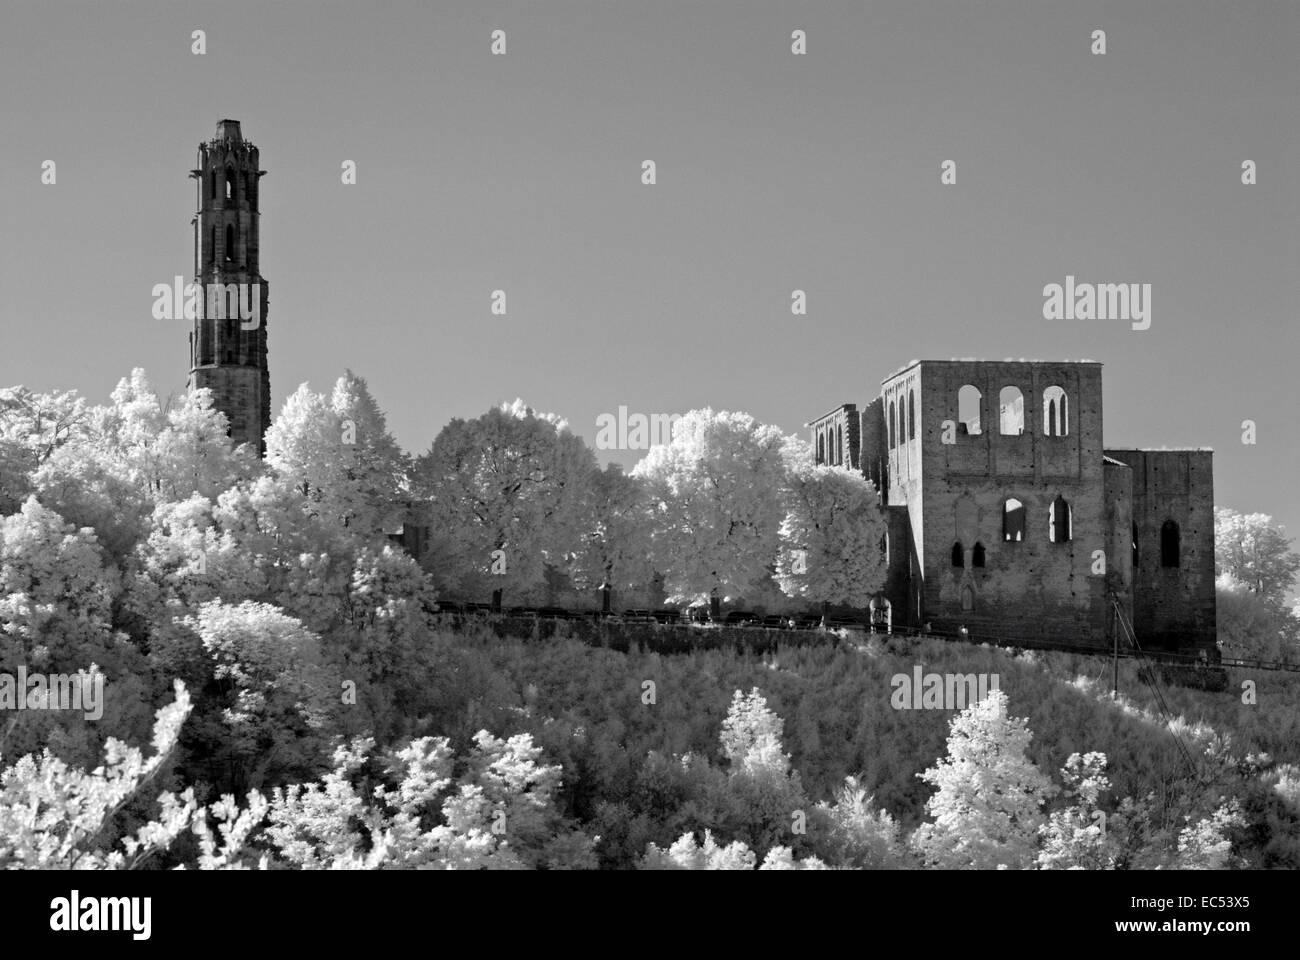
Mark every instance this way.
x=32 y=427
x=857 y=835
x=504 y=493
x=1256 y=553
x=338 y=452
x=615 y=546
x=108 y=466
x=55 y=590
x=1205 y=845
x=1079 y=836
x=689 y=854
x=751 y=736
x=761 y=790
x=51 y=814
x=266 y=666
x=498 y=815
x=716 y=502
x=987 y=810
x=830 y=538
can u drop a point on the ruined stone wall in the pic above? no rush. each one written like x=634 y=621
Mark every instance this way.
x=874 y=449
x=903 y=432
x=944 y=483
x=1119 y=525
x=1173 y=606
x=835 y=437
x=1033 y=587
x=897 y=588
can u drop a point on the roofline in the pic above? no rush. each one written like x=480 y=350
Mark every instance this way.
x=1161 y=449
x=952 y=360
x=832 y=410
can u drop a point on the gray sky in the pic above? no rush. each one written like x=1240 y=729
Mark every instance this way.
x=775 y=172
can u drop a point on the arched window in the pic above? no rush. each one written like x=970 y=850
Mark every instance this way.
x=969 y=408
x=1011 y=412
x=230 y=184
x=212 y=177
x=977 y=555
x=1056 y=413
x=1013 y=520
x=958 y=555
x=1059 y=529
x=821 y=448
x=839 y=446
x=893 y=425
x=230 y=241
x=1170 y=545
x=911 y=415
x=967 y=598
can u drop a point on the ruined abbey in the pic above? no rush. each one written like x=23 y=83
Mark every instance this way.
x=1007 y=516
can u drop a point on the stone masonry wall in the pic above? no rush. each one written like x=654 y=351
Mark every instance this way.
x=1173 y=606
x=1032 y=587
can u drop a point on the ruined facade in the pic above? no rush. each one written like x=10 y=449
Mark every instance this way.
x=1008 y=516
x=228 y=352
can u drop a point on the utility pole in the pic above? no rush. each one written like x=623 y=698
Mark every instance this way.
x=1114 y=693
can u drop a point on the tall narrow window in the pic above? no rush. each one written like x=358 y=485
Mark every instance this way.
x=1056 y=413
x=1135 y=546
x=212 y=177
x=821 y=448
x=967 y=598
x=1170 y=545
x=911 y=415
x=893 y=425
x=1011 y=412
x=977 y=555
x=230 y=184
x=839 y=446
x=1059 y=521
x=969 y=402
x=230 y=241
x=212 y=244
x=1013 y=520
x=958 y=555
x=884 y=548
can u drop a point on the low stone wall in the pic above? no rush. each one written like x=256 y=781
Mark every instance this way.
x=665 y=638
x=1212 y=679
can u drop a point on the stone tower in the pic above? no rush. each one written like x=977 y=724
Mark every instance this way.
x=228 y=342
